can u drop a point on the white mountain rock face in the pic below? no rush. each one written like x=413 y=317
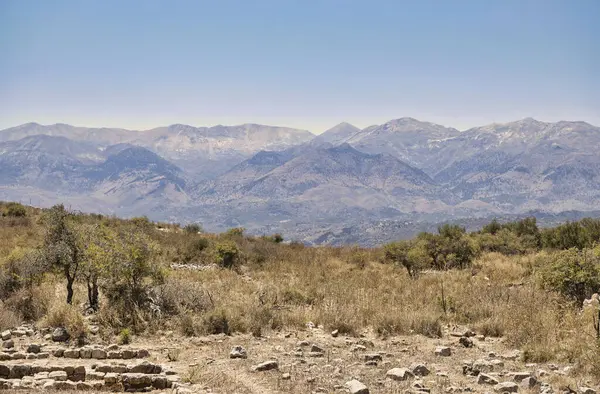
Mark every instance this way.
x=319 y=189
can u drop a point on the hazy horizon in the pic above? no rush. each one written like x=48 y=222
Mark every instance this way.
x=145 y=64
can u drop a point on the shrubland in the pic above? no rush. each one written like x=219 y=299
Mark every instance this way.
x=515 y=280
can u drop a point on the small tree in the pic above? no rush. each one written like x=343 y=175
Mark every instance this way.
x=193 y=228
x=412 y=255
x=227 y=254
x=61 y=247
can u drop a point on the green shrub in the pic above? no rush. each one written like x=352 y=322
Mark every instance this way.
x=125 y=336
x=573 y=273
x=227 y=254
x=14 y=209
x=216 y=322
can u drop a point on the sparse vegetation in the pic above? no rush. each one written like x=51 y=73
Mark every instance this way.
x=511 y=280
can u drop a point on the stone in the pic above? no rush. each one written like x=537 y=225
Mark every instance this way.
x=373 y=357
x=316 y=348
x=6 y=335
x=316 y=354
x=19 y=332
x=160 y=382
x=113 y=354
x=356 y=387
x=462 y=332
x=34 y=348
x=99 y=354
x=398 y=374
x=266 y=366
x=587 y=390
x=60 y=334
x=466 y=342
x=238 y=352
x=335 y=333
x=143 y=353
x=58 y=352
x=507 y=387
x=59 y=376
x=286 y=376
x=419 y=370
x=18 y=356
x=94 y=375
x=112 y=347
x=127 y=354
x=371 y=363
x=519 y=376
x=71 y=353
x=4 y=356
x=136 y=381
x=145 y=367
x=85 y=353
x=4 y=371
x=8 y=344
x=486 y=379
x=111 y=377
x=529 y=382
x=20 y=370
x=303 y=343
x=43 y=355
x=443 y=351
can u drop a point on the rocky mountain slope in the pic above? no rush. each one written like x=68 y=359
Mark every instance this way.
x=279 y=179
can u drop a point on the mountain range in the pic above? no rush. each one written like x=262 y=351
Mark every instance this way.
x=318 y=189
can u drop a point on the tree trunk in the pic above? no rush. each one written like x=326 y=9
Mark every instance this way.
x=69 y=291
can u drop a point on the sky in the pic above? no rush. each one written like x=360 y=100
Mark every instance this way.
x=300 y=63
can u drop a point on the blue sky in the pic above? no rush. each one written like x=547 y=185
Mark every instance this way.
x=300 y=63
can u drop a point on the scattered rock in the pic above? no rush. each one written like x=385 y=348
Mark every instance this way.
x=520 y=376
x=419 y=370
x=587 y=390
x=34 y=348
x=266 y=366
x=466 y=342
x=238 y=352
x=507 y=387
x=335 y=333
x=6 y=335
x=443 y=351
x=286 y=376
x=529 y=382
x=316 y=348
x=356 y=387
x=8 y=344
x=373 y=357
x=486 y=379
x=60 y=335
x=399 y=374
x=143 y=353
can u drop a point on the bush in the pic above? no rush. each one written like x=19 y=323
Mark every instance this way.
x=15 y=210
x=193 y=228
x=235 y=232
x=227 y=254
x=216 y=322
x=125 y=336
x=69 y=317
x=573 y=273
x=194 y=249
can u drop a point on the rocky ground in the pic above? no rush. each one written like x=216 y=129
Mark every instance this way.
x=306 y=361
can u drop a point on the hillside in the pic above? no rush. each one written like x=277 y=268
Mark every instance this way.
x=277 y=179
x=156 y=307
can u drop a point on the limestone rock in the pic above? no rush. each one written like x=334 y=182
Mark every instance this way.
x=238 y=352
x=399 y=374
x=60 y=334
x=356 y=387
x=266 y=366
x=443 y=351
x=486 y=379
x=507 y=387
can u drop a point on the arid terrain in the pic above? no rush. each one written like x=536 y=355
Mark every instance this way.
x=230 y=313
